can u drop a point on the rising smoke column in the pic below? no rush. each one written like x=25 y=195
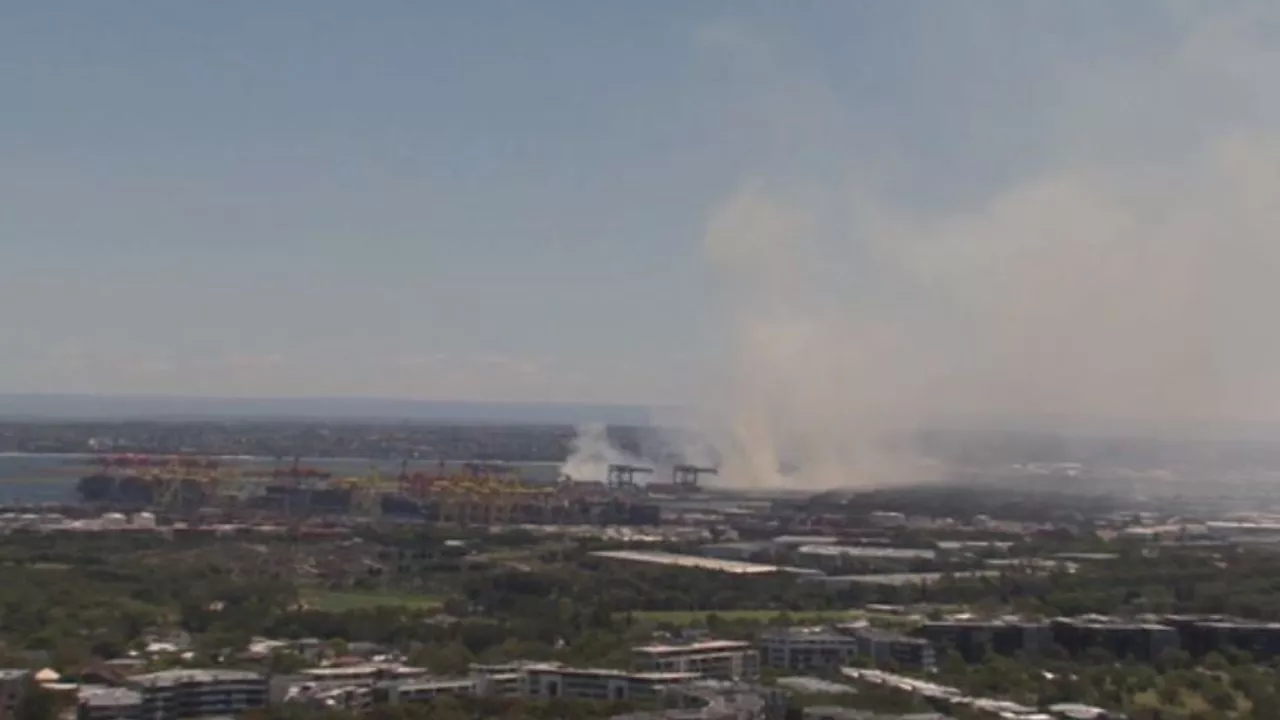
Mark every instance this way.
x=591 y=452
x=1123 y=283
x=812 y=382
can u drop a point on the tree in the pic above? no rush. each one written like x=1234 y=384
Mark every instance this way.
x=1236 y=656
x=451 y=659
x=1097 y=655
x=951 y=665
x=1215 y=662
x=1221 y=698
x=1173 y=659
x=1170 y=694
x=283 y=662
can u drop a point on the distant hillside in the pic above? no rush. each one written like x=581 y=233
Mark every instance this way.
x=94 y=407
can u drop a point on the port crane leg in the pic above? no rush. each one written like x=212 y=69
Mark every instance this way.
x=685 y=477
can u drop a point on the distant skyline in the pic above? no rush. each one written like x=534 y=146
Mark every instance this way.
x=508 y=201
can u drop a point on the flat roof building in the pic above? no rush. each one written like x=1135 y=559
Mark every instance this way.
x=108 y=703
x=548 y=682
x=885 y=648
x=1140 y=641
x=180 y=694
x=425 y=690
x=798 y=540
x=715 y=700
x=807 y=648
x=829 y=648
x=737 y=550
x=867 y=552
x=1203 y=636
x=732 y=567
x=972 y=639
x=718 y=659
x=840 y=582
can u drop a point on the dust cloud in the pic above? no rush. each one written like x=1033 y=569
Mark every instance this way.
x=1112 y=287
x=591 y=452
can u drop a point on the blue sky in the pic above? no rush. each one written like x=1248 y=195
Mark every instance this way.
x=484 y=200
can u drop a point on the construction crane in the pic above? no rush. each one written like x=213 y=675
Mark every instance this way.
x=366 y=490
x=178 y=482
x=418 y=484
x=295 y=474
x=624 y=476
x=685 y=477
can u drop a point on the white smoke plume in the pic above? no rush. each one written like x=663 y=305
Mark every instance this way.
x=1114 y=286
x=592 y=452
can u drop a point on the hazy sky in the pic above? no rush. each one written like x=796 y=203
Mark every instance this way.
x=521 y=200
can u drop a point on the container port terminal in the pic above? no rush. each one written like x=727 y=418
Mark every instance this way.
x=190 y=487
x=357 y=472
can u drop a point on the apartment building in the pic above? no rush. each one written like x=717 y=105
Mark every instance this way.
x=502 y=679
x=181 y=694
x=415 y=691
x=13 y=685
x=547 y=682
x=1201 y=636
x=807 y=648
x=1143 y=642
x=829 y=648
x=718 y=659
x=884 y=648
x=108 y=703
x=973 y=639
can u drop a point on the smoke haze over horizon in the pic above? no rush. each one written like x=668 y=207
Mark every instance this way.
x=1124 y=280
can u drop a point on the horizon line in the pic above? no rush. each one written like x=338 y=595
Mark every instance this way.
x=20 y=406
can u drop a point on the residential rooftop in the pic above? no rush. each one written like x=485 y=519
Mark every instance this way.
x=700 y=646
x=102 y=696
x=553 y=668
x=165 y=678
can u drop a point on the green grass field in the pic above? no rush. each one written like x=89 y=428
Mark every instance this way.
x=337 y=601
